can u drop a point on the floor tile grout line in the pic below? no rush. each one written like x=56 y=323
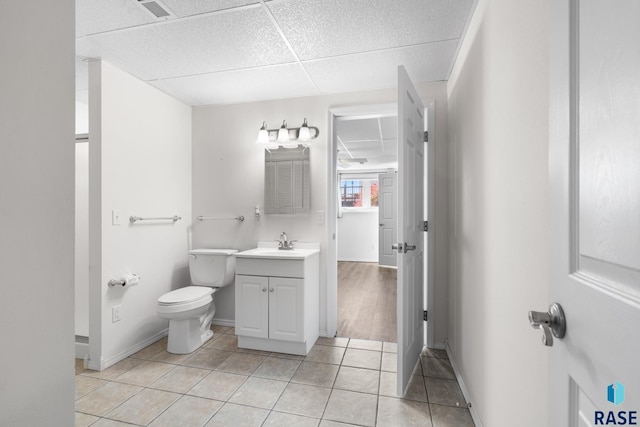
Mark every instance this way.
x=251 y=374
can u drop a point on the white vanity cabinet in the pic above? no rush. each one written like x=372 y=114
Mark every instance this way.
x=277 y=300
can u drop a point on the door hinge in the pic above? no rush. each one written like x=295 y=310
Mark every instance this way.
x=426 y=136
x=425 y=226
x=424 y=315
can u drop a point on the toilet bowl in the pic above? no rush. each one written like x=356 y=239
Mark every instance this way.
x=190 y=309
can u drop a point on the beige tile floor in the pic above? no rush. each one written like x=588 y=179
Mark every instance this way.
x=341 y=382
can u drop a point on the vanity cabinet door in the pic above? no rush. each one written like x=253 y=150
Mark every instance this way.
x=286 y=309
x=252 y=306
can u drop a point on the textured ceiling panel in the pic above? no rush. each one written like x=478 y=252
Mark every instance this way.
x=203 y=44
x=390 y=146
x=195 y=7
x=97 y=16
x=362 y=147
x=325 y=28
x=358 y=130
x=374 y=70
x=240 y=86
x=389 y=127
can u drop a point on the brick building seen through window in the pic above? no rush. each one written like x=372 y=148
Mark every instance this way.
x=360 y=193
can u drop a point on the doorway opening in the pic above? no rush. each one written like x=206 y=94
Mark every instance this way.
x=365 y=147
x=346 y=273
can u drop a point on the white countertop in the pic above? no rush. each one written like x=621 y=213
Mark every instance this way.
x=269 y=250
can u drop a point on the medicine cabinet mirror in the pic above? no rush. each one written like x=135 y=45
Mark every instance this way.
x=286 y=181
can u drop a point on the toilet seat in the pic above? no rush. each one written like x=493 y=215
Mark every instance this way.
x=184 y=299
x=184 y=295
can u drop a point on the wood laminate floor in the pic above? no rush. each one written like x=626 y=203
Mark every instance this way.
x=367 y=301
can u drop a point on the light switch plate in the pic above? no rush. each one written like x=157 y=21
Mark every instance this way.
x=116 y=214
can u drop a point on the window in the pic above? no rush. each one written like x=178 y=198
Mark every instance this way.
x=359 y=193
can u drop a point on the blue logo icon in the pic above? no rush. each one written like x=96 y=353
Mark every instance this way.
x=615 y=393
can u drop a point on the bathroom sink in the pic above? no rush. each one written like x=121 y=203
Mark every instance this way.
x=274 y=253
x=268 y=260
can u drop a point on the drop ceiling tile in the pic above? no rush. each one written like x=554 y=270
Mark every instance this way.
x=390 y=146
x=195 y=7
x=275 y=82
x=375 y=70
x=198 y=45
x=96 y=16
x=323 y=28
x=358 y=130
x=364 y=147
x=389 y=127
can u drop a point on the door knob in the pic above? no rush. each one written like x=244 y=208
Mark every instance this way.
x=408 y=248
x=403 y=247
x=552 y=323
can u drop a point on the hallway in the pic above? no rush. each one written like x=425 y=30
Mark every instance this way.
x=366 y=301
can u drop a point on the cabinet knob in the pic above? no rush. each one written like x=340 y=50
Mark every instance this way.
x=264 y=289
x=270 y=289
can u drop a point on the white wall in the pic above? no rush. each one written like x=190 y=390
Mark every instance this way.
x=498 y=109
x=228 y=179
x=81 y=239
x=36 y=212
x=140 y=164
x=358 y=235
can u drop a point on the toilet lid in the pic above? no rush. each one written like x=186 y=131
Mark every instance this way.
x=186 y=294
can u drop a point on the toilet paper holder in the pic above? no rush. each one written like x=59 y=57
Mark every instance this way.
x=125 y=280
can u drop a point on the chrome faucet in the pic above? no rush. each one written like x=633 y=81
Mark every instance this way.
x=283 y=243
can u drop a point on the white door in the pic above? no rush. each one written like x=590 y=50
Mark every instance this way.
x=388 y=231
x=594 y=167
x=410 y=228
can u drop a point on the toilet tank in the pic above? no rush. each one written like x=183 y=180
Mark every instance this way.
x=212 y=267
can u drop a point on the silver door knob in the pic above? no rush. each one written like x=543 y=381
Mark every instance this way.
x=270 y=289
x=264 y=289
x=552 y=323
x=403 y=247
x=408 y=248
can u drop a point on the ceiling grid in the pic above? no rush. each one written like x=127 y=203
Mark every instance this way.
x=231 y=51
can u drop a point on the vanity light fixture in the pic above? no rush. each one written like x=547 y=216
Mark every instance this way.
x=304 y=134
x=286 y=137
x=263 y=134
x=283 y=134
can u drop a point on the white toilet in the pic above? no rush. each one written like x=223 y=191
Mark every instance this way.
x=191 y=309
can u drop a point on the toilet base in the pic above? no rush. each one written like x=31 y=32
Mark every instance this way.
x=187 y=335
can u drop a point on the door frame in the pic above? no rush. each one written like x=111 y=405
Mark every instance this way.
x=360 y=112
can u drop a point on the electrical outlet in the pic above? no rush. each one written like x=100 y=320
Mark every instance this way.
x=115 y=314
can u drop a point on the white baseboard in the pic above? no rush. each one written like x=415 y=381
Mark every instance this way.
x=224 y=322
x=374 y=260
x=82 y=350
x=440 y=345
x=104 y=363
x=463 y=387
